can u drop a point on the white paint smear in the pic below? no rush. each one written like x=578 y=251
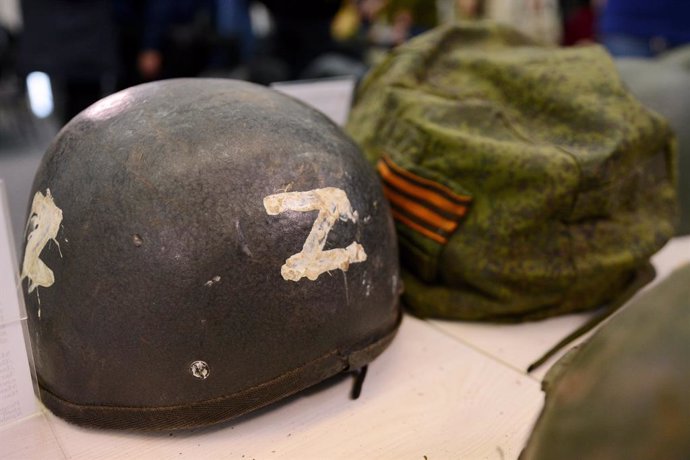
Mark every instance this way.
x=43 y=225
x=332 y=204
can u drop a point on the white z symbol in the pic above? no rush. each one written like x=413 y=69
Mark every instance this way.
x=43 y=226
x=332 y=204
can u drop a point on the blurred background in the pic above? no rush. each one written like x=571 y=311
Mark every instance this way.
x=59 y=56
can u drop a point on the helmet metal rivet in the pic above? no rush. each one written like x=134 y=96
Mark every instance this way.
x=200 y=370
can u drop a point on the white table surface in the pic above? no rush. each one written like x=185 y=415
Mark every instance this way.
x=443 y=390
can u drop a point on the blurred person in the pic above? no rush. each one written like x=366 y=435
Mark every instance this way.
x=642 y=28
x=233 y=22
x=7 y=52
x=74 y=42
x=469 y=9
x=301 y=33
x=347 y=21
x=10 y=19
x=392 y=22
x=539 y=19
x=163 y=38
x=579 y=22
x=410 y=18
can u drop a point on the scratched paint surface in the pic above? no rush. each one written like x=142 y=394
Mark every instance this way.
x=42 y=227
x=332 y=204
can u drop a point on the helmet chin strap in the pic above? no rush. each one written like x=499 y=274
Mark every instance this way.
x=643 y=276
x=360 y=375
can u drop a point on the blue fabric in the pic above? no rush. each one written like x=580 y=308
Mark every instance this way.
x=233 y=20
x=667 y=19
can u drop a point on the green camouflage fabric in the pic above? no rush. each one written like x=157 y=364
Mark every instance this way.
x=624 y=394
x=571 y=179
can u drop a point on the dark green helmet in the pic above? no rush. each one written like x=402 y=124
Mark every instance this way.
x=624 y=393
x=197 y=249
x=525 y=180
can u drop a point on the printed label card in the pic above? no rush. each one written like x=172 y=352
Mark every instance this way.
x=17 y=398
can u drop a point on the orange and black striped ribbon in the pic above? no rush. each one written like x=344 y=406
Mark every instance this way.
x=423 y=205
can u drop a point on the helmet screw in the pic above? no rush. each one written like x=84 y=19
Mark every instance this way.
x=199 y=369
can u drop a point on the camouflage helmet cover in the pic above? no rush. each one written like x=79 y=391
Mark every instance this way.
x=525 y=180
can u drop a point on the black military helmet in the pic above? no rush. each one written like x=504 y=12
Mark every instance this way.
x=197 y=249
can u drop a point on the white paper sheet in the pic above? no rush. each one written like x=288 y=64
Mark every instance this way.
x=332 y=96
x=16 y=388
